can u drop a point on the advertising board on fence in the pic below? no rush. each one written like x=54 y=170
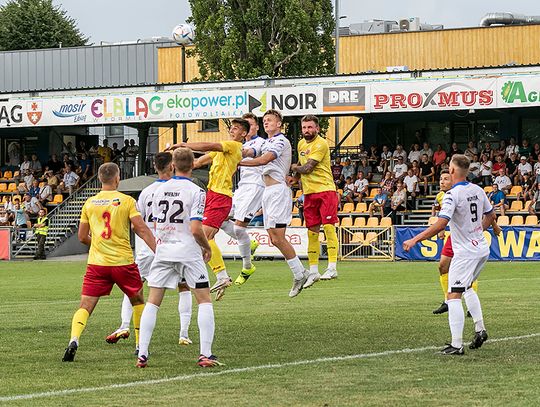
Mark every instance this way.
x=515 y=243
x=296 y=236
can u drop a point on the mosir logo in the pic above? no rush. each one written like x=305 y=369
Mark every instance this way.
x=438 y=98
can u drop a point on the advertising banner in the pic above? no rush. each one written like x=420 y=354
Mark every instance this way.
x=518 y=91
x=428 y=95
x=5 y=244
x=296 y=236
x=516 y=243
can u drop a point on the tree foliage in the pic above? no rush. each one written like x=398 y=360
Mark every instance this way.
x=243 y=39
x=31 y=24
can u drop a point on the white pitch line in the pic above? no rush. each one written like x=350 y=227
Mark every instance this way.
x=241 y=370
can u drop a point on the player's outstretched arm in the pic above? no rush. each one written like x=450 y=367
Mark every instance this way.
x=199 y=146
x=261 y=160
x=431 y=231
x=200 y=238
x=84 y=233
x=140 y=228
x=202 y=161
x=307 y=168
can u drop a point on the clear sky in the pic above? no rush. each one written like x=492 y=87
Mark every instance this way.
x=128 y=20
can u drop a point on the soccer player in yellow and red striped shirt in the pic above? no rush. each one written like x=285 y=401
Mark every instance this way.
x=320 y=197
x=105 y=224
x=224 y=157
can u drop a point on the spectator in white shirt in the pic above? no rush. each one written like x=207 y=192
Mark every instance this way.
x=427 y=150
x=25 y=165
x=503 y=181
x=536 y=171
x=474 y=171
x=400 y=169
x=523 y=168
x=485 y=170
x=45 y=194
x=348 y=191
x=512 y=147
x=471 y=150
x=400 y=152
x=361 y=187
x=386 y=157
x=415 y=154
x=348 y=169
x=70 y=182
x=411 y=183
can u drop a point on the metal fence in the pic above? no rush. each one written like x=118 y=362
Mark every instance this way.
x=367 y=243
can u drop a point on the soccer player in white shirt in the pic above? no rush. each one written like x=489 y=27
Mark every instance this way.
x=247 y=200
x=469 y=213
x=145 y=256
x=277 y=201
x=181 y=252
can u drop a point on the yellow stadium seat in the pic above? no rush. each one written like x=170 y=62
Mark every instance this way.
x=531 y=220
x=515 y=190
x=517 y=220
x=386 y=222
x=8 y=175
x=370 y=238
x=527 y=204
x=358 y=237
x=346 y=222
x=296 y=222
x=58 y=199
x=298 y=194
x=340 y=192
x=12 y=187
x=432 y=220
x=373 y=192
x=3 y=187
x=360 y=222
x=488 y=189
x=21 y=185
x=372 y=222
x=16 y=174
x=295 y=210
x=16 y=197
x=361 y=207
x=503 y=220
x=42 y=184
x=516 y=206
x=348 y=207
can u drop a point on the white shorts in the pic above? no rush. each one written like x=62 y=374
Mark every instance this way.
x=463 y=272
x=168 y=274
x=144 y=263
x=277 y=206
x=247 y=201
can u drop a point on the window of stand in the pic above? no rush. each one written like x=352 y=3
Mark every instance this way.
x=209 y=125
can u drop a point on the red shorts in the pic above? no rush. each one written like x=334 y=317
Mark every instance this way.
x=321 y=208
x=447 y=249
x=98 y=280
x=217 y=209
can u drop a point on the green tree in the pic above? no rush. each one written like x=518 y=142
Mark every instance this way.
x=31 y=24
x=243 y=39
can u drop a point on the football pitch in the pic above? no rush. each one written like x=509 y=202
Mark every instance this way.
x=366 y=339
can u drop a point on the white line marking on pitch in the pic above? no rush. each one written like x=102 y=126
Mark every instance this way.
x=241 y=370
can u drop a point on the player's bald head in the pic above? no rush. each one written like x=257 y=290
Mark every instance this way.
x=108 y=173
x=183 y=159
x=460 y=163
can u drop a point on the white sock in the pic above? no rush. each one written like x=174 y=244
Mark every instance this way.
x=127 y=312
x=456 y=320
x=314 y=268
x=244 y=245
x=148 y=322
x=473 y=305
x=184 y=309
x=228 y=227
x=205 y=320
x=296 y=267
x=332 y=266
x=222 y=274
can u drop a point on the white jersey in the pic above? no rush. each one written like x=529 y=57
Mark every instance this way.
x=464 y=206
x=176 y=203
x=144 y=206
x=278 y=168
x=252 y=175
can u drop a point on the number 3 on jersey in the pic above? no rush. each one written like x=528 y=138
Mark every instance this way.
x=107 y=232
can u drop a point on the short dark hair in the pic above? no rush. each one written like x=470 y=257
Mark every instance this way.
x=162 y=160
x=242 y=123
x=108 y=172
x=274 y=112
x=249 y=115
x=183 y=159
x=311 y=118
x=445 y=172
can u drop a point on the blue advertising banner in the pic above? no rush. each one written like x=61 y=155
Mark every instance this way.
x=514 y=243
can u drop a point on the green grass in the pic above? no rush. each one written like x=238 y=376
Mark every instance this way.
x=372 y=307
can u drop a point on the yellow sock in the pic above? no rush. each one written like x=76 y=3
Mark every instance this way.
x=331 y=243
x=78 y=323
x=314 y=248
x=474 y=285
x=137 y=312
x=216 y=261
x=443 y=278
